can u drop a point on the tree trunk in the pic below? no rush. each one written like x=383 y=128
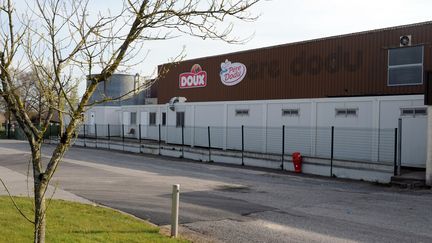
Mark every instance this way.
x=40 y=185
x=40 y=207
x=61 y=131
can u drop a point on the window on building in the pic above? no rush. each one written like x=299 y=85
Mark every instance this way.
x=152 y=118
x=405 y=66
x=418 y=111
x=133 y=118
x=180 y=119
x=346 y=112
x=242 y=112
x=290 y=112
x=163 y=118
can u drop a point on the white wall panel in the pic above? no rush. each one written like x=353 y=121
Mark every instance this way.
x=209 y=115
x=275 y=118
x=326 y=114
x=254 y=118
x=390 y=112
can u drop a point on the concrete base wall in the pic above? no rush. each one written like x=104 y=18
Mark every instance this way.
x=374 y=172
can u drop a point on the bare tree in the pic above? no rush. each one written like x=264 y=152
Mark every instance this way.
x=25 y=89
x=57 y=40
x=34 y=103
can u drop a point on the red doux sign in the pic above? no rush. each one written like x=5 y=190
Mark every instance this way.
x=196 y=78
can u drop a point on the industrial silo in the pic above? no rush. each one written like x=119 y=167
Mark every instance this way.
x=118 y=88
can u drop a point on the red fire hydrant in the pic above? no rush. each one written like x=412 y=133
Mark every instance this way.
x=297 y=161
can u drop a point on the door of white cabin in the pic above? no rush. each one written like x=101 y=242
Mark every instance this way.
x=414 y=140
x=92 y=123
x=126 y=123
x=144 y=123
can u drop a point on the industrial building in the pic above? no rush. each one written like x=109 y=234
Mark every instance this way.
x=372 y=80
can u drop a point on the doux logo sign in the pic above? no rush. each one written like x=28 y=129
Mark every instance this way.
x=196 y=78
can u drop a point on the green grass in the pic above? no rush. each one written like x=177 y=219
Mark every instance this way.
x=74 y=222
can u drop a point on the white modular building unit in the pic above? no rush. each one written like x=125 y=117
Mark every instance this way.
x=366 y=114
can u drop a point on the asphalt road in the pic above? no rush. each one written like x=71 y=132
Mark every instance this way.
x=234 y=204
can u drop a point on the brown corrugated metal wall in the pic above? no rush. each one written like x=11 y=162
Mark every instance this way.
x=351 y=65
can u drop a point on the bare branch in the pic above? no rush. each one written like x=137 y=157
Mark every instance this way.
x=44 y=47
x=14 y=203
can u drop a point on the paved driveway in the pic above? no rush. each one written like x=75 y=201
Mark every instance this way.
x=234 y=204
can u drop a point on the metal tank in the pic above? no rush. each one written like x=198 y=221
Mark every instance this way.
x=119 y=87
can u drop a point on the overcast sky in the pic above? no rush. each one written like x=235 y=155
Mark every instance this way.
x=285 y=21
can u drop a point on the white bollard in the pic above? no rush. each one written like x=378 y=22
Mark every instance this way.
x=175 y=210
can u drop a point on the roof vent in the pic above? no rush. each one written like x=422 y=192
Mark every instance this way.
x=405 y=40
x=174 y=100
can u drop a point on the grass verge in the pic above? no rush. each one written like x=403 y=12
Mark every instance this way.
x=75 y=222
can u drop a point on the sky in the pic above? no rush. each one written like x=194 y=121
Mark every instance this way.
x=286 y=21
x=280 y=22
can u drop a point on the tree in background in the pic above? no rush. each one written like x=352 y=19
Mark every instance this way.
x=54 y=41
x=34 y=104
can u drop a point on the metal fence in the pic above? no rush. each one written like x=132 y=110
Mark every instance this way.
x=4 y=131
x=353 y=144
x=334 y=143
x=11 y=131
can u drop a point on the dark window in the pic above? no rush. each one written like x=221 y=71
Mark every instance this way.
x=346 y=112
x=351 y=112
x=242 y=112
x=180 y=119
x=413 y=112
x=163 y=118
x=290 y=112
x=133 y=118
x=152 y=119
x=405 y=55
x=407 y=112
x=420 y=111
x=405 y=66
